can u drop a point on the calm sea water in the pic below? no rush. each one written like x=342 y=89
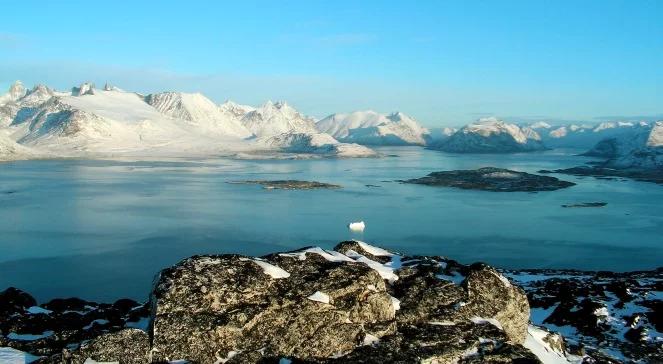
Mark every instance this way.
x=101 y=229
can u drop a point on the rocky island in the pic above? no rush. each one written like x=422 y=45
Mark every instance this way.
x=290 y=184
x=492 y=179
x=600 y=171
x=356 y=303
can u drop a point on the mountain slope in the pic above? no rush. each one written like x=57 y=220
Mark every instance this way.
x=643 y=151
x=10 y=150
x=490 y=135
x=372 y=128
x=316 y=143
x=586 y=136
x=199 y=111
x=277 y=118
x=88 y=122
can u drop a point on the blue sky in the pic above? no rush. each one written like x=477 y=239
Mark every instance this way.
x=444 y=62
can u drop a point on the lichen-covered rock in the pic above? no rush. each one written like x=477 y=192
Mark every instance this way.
x=207 y=307
x=464 y=342
x=128 y=346
x=442 y=290
x=355 y=304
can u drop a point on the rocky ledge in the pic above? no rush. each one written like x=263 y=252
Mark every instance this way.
x=290 y=184
x=644 y=175
x=356 y=303
x=492 y=179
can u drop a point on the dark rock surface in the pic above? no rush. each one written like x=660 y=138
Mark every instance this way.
x=354 y=304
x=492 y=179
x=290 y=184
x=599 y=311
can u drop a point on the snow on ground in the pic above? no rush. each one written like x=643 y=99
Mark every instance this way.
x=38 y=310
x=28 y=337
x=483 y=320
x=330 y=255
x=374 y=250
x=13 y=356
x=271 y=270
x=536 y=344
x=319 y=297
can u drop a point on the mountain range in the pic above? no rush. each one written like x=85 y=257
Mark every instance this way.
x=87 y=121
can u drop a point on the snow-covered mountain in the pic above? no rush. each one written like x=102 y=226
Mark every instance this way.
x=641 y=150
x=10 y=150
x=277 y=118
x=199 y=111
x=90 y=122
x=15 y=92
x=317 y=143
x=437 y=135
x=372 y=128
x=235 y=110
x=583 y=136
x=491 y=135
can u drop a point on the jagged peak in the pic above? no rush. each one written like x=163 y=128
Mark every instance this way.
x=86 y=88
x=16 y=91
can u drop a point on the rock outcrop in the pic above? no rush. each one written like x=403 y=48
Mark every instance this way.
x=354 y=304
x=492 y=179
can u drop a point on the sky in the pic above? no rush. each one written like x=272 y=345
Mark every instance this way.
x=443 y=62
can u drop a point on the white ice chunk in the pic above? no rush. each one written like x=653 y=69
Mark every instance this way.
x=319 y=297
x=358 y=226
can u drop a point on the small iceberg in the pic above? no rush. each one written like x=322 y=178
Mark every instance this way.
x=358 y=226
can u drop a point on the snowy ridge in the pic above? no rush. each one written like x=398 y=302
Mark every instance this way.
x=491 y=135
x=277 y=118
x=584 y=135
x=199 y=110
x=10 y=150
x=92 y=122
x=641 y=151
x=372 y=128
x=316 y=143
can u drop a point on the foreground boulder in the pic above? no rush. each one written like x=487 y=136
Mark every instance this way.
x=318 y=305
x=355 y=304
